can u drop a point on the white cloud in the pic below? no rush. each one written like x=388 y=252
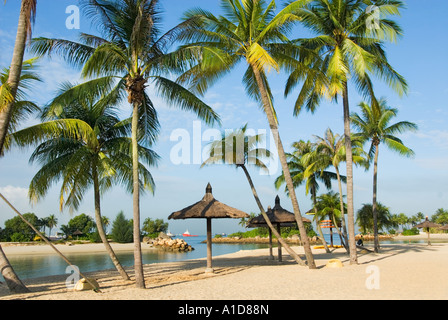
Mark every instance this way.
x=15 y=194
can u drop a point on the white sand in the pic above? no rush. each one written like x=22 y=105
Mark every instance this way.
x=405 y=271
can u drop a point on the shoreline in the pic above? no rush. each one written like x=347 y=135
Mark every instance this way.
x=42 y=248
x=405 y=271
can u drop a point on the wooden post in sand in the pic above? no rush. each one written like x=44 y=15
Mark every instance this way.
x=280 y=258
x=209 y=246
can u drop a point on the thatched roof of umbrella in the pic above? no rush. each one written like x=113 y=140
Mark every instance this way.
x=208 y=208
x=444 y=227
x=279 y=217
x=427 y=224
x=77 y=233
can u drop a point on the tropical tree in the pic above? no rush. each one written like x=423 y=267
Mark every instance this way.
x=250 y=32
x=307 y=166
x=52 y=222
x=241 y=149
x=440 y=216
x=26 y=18
x=133 y=52
x=122 y=229
x=331 y=149
x=7 y=105
x=374 y=125
x=349 y=45
x=328 y=206
x=364 y=218
x=100 y=155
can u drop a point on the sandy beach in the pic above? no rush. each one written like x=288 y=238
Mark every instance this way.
x=400 y=271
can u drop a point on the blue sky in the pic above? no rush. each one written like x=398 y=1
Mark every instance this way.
x=405 y=185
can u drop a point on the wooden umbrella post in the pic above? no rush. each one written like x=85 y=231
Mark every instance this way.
x=209 y=247
x=208 y=208
x=280 y=258
x=271 y=255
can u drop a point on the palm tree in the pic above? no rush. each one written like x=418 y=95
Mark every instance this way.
x=240 y=149
x=349 y=46
x=134 y=52
x=100 y=157
x=328 y=206
x=22 y=108
x=51 y=223
x=13 y=109
x=306 y=166
x=26 y=19
x=374 y=124
x=364 y=218
x=249 y=32
x=331 y=149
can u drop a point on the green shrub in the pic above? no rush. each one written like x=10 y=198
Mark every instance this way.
x=19 y=237
x=122 y=229
x=410 y=232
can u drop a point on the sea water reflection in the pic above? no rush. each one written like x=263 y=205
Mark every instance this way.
x=35 y=266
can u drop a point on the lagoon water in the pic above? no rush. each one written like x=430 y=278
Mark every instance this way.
x=35 y=266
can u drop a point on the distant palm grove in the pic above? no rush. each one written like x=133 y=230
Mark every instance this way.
x=82 y=145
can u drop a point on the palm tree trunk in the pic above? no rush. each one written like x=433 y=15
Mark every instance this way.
x=319 y=229
x=374 y=203
x=15 y=285
x=138 y=264
x=341 y=200
x=4 y=265
x=282 y=242
x=281 y=151
x=99 y=225
x=349 y=162
x=16 y=67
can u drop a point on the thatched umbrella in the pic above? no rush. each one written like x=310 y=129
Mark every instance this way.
x=279 y=217
x=77 y=233
x=208 y=208
x=444 y=227
x=426 y=225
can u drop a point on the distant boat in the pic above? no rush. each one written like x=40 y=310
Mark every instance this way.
x=188 y=234
x=169 y=234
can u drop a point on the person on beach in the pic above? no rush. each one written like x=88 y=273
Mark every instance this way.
x=360 y=242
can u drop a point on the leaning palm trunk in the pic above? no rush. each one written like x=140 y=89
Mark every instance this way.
x=27 y=10
x=23 y=31
x=274 y=128
x=15 y=284
x=282 y=242
x=374 y=203
x=99 y=225
x=349 y=162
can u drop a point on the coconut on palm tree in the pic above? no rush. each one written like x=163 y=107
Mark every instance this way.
x=252 y=33
x=374 y=125
x=100 y=155
x=133 y=52
x=349 y=46
x=240 y=149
